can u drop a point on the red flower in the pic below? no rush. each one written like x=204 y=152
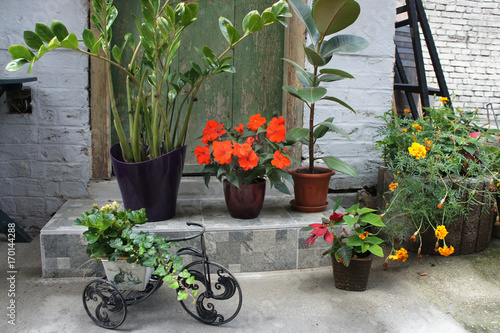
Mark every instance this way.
x=223 y=151
x=241 y=149
x=277 y=121
x=202 y=154
x=319 y=230
x=212 y=131
x=239 y=128
x=249 y=160
x=255 y=122
x=250 y=140
x=474 y=134
x=276 y=130
x=336 y=217
x=280 y=161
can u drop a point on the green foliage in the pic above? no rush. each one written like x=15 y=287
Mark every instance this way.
x=461 y=161
x=159 y=100
x=357 y=239
x=324 y=18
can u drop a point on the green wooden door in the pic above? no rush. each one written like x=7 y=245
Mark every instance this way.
x=256 y=87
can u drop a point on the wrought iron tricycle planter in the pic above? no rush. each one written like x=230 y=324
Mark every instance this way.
x=218 y=300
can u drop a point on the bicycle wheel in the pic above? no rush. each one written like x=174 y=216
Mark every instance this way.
x=104 y=303
x=219 y=295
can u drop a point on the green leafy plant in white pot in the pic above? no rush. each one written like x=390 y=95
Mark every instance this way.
x=322 y=19
x=159 y=98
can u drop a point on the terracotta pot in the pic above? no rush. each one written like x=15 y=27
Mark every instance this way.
x=310 y=190
x=246 y=201
x=352 y=278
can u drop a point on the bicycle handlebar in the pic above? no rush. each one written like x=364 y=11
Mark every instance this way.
x=189 y=237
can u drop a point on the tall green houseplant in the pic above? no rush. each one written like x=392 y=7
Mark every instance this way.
x=159 y=99
x=322 y=19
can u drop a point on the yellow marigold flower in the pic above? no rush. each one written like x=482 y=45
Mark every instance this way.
x=446 y=251
x=401 y=255
x=417 y=150
x=444 y=99
x=393 y=257
x=498 y=184
x=417 y=127
x=441 y=232
x=392 y=186
x=404 y=130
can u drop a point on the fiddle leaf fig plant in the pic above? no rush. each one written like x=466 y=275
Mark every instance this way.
x=159 y=99
x=322 y=19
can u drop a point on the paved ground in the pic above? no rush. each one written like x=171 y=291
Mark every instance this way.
x=454 y=294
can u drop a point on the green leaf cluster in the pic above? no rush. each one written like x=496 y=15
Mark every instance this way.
x=159 y=99
x=322 y=19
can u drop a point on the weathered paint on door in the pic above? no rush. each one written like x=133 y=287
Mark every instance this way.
x=256 y=87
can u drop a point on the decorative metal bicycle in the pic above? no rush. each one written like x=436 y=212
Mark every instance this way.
x=218 y=300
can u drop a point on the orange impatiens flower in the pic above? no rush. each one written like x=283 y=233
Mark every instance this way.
x=255 y=122
x=223 y=151
x=276 y=131
x=202 y=154
x=239 y=128
x=241 y=149
x=248 y=161
x=280 y=161
x=212 y=131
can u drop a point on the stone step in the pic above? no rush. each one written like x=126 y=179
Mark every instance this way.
x=273 y=241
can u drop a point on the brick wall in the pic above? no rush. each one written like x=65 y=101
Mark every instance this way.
x=467 y=37
x=44 y=156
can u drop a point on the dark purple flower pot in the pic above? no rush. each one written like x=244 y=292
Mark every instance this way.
x=245 y=202
x=152 y=184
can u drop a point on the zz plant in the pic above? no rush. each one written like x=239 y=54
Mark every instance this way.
x=160 y=99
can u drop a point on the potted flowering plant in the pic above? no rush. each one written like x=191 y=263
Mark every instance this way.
x=245 y=156
x=130 y=257
x=353 y=239
x=437 y=181
x=159 y=99
x=322 y=19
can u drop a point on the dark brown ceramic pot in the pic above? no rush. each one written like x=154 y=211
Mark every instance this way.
x=246 y=201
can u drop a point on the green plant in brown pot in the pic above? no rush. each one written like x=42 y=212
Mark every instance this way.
x=322 y=19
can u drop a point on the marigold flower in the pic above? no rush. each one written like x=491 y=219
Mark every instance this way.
x=202 y=154
x=407 y=111
x=446 y=251
x=255 y=122
x=441 y=232
x=223 y=151
x=401 y=255
x=276 y=132
x=443 y=99
x=280 y=161
x=417 y=150
x=417 y=127
x=404 y=130
x=498 y=184
x=239 y=128
x=241 y=149
x=249 y=160
x=392 y=186
x=212 y=131
x=364 y=235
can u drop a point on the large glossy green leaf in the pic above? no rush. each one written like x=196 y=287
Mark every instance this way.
x=373 y=219
x=331 y=16
x=343 y=43
x=252 y=22
x=223 y=24
x=312 y=94
x=233 y=33
x=340 y=166
x=292 y=91
x=297 y=66
x=297 y=134
x=303 y=12
x=344 y=253
x=334 y=99
x=305 y=80
x=32 y=40
x=59 y=30
x=44 y=32
x=70 y=42
x=376 y=250
x=313 y=57
x=20 y=52
x=88 y=38
x=328 y=125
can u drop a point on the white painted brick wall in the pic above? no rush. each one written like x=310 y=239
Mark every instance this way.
x=44 y=156
x=467 y=36
x=370 y=94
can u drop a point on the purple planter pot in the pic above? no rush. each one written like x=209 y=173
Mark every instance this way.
x=245 y=202
x=152 y=184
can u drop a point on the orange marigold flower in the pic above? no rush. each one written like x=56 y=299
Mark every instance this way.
x=239 y=128
x=404 y=130
x=241 y=149
x=392 y=186
x=223 y=151
x=212 y=131
x=249 y=160
x=407 y=111
x=280 y=161
x=275 y=132
x=441 y=232
x=446 y=251
x=498 y=184
x=202 y=154
x=401 y=255
x=255 y=122
x=417 y=150
x=417 y=127
x=364 y=235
